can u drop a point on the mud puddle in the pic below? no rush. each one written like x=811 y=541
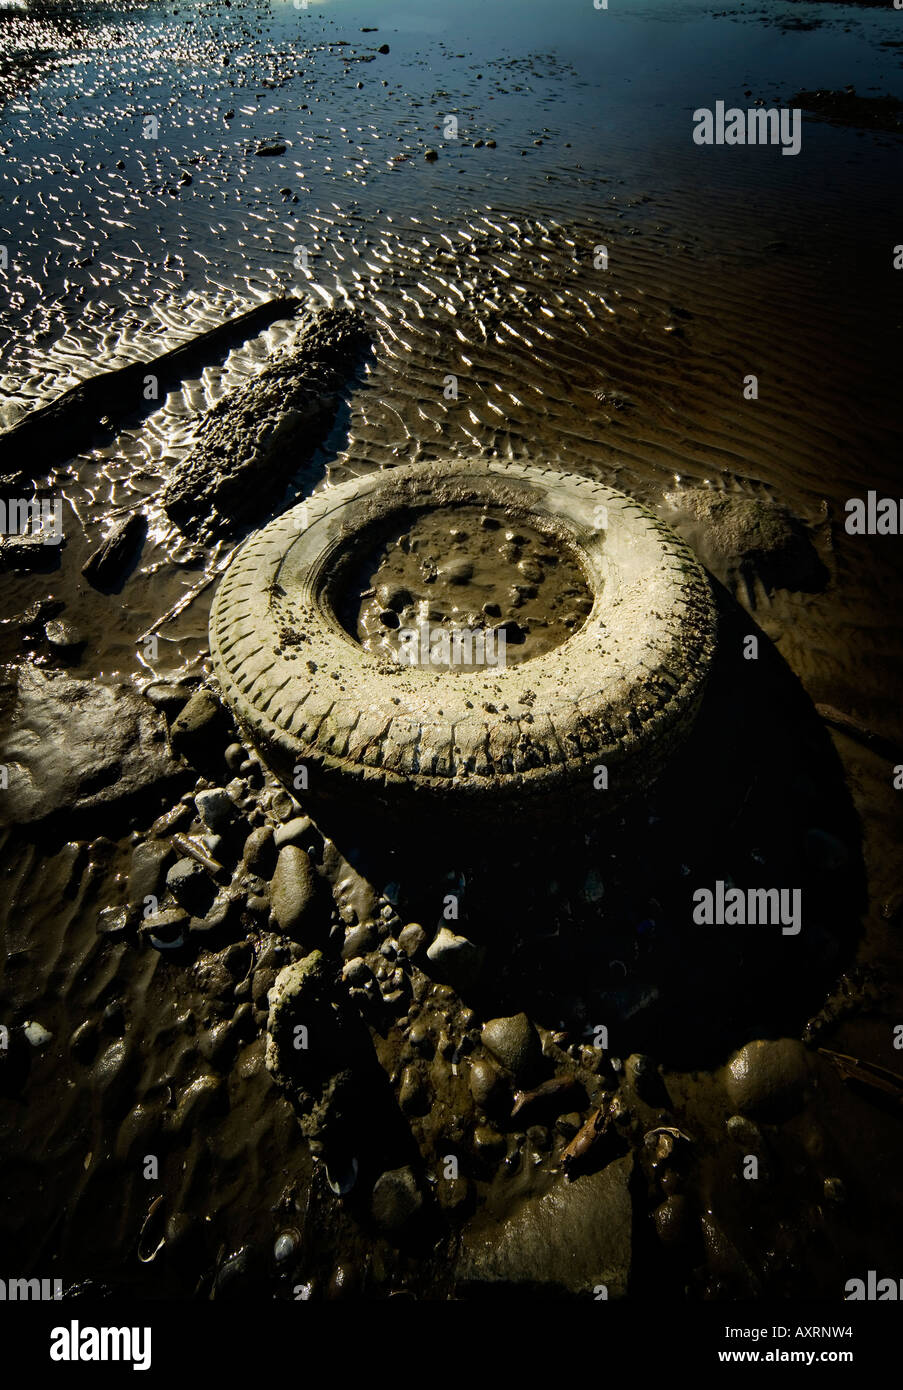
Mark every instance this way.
x=466 y=569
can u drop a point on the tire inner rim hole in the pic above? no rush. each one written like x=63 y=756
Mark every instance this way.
x=463 y=588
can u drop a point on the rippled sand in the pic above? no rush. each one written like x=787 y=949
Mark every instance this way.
x=483 y=266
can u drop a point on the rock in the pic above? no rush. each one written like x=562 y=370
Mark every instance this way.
x=430 y=155
x=190 y=885
x=36 y=1034
x=456 y=959
x=412 y=939
x=515 y=1042
x=674 y=1223
x=64 y=637
x=77 y=747
x=397 y=1201
x=487 y=1085
x=767 y=1080
x=412 y=1094
x=166 y=930
x=145 y=869
x=383 y=48
x=573 y=1239
x=357 y=972
x=358 y=941
x=215 y=809
x=320 y=1053
x=268 y=147
x=745 y=1132
x=234 y=756
x=194 y=733
x=292 y=888
x=293 y=832
x=259 y=853
x=754 y=537
x=106 y=567
x=113 y=922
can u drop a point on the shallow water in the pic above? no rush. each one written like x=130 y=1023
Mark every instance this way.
x=485 y=265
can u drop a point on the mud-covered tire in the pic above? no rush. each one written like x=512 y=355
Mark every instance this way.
x=621 y=692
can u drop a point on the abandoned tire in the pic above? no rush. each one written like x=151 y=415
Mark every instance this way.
x=349 y=725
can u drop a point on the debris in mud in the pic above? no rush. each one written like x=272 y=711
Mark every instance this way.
x=105 y=567
x=251 y=443
x=52 y=433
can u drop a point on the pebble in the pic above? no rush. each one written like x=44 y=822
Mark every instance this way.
x=293 y=831
x=215 y=808
x=486 y=1084
x=259 y=854
x=514 y=1041
x=767 y=1080
x=189 y=884
x=292 y=888
x=411 y=939
x=455 y=958
x=63 y=636
x=37 y=1034
x=234 y=757
x=359 y=941
x=396 y=1201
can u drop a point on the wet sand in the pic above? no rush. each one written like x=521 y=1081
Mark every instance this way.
x=479 y=264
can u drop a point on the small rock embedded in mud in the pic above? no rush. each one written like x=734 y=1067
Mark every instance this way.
x=397 y=1201
x=412 y=939
x=259 y=851
x=105 y=567
x=195 y=729
x=430 y=155
x=65 y=637
x=270 y=147
x=456 y=959
x=215 y=808
x=514 y=1041
x=37 y=1034
x=292 y=888
x=768 y=1080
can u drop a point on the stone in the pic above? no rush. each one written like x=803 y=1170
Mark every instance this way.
x=63 y=636
x=455 y=959
x=79 y=748
x=486 y=1083
x=397 y=1201
x=215 y=808
x=107 y=566
x=190 y=885
x=259 y=854
x=767 y=1081
x=359 y=940
x=412 y=939
x=514 y=1041
x=113 y=922
x=573 y=1239
x=293 y=832
x=145 y=870
x=194 y=731
x=292 y=888
x=166 y=929
x=753 y=536
x=356 y=971
x=413 y=1096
